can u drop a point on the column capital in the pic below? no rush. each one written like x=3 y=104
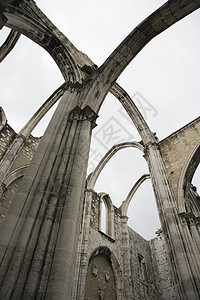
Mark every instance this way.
x=81 y=115
x=151 y=145
x=189 y=217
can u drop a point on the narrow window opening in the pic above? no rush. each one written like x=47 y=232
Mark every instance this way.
x=142 y=269
x=103 y=217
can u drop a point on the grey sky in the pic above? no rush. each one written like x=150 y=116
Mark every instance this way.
x=165 y=75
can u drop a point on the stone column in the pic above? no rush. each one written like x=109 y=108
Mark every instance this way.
x=196 y=232
x=193 y=238
x=128 y=286
x=62 y=270
x=187 y=282
x=40 y=234
x=82 y=256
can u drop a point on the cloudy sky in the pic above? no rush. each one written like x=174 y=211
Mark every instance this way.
x=163 y=80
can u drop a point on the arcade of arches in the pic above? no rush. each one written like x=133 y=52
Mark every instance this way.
x=51 y=245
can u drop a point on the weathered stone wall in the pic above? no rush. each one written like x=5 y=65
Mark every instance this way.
x=135 y=268
x=176 y=149
x=95 y=207
x=26 y=153
x=7 y=135
x=99 y=239
x=141 y=273
x=162 y=270
x=7 y=192
x=100 y=281
x=7 y=198
x=142 y=267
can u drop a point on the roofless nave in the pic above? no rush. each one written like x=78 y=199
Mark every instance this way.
x=51 y=245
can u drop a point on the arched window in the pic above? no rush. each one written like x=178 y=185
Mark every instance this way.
x=106 y=223
x=103 y=216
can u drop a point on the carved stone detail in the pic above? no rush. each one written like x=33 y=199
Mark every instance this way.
x=107 y=276
x=94 y=270
x=86 y=113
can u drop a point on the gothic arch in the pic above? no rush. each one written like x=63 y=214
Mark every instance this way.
x=71 y=191
x=92 y=178
x=186 y=176
x=8 y=188
x=114 y=265
x=134 y=113
x=160 y=20
x=167 y=15
x=41 y=112
x=45 y=35
x=125 y=204
x=14 y=175
x=12 y=12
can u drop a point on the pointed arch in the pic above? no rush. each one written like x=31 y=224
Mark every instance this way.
x=133 y=112
x=46 y=35
x=43 y=109
x=92 y=178
x=114 y=264
x=14 y=175
x=186 y=176
x=125 y=204
x=164 y=17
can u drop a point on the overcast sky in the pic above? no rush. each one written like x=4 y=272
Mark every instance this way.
x=163 y=80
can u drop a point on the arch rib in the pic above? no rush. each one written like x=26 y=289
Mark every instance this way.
x=9 y=44
x=41 y=112
x=15 y=175
x=21 y=21
x=182 y=187
x=134 y=113
x=167 y=15
x=125 y=204
x=164 y=17
x=92 y=178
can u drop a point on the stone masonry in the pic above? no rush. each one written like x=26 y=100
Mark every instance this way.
x=52 y=245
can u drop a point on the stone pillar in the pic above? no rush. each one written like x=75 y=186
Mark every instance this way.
x=195 y=226
x=40 y=234
x=187 y=282
x=193 y=239
x=82 y=256
x=128 y=285
x=62 y=270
